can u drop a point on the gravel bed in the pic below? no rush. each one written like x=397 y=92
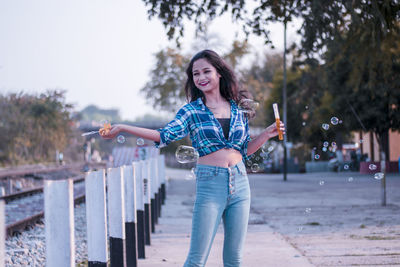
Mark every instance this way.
x=28 y=249
x=23 y=207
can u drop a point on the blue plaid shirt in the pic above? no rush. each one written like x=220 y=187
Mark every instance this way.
x=205 y=131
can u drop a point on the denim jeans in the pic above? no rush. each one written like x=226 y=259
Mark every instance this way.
x=220 y=193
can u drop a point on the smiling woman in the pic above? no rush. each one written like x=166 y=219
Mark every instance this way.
x=219 y=131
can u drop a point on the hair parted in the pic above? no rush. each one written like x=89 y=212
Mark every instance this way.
x=229 y=86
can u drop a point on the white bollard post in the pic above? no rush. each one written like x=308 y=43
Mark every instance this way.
x=162 y=178
x=137 y=168
x=147 y=201
x=2 y=233
x=96 y=218
x=130 y=216
x=116 y=216
x=59 y=223
x=154 y=193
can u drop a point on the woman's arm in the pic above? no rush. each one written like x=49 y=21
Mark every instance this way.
x=269 y=132
x=145 y=133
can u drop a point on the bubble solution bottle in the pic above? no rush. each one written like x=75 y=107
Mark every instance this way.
x=278 y=121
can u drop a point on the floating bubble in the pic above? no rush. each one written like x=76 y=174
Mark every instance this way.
x=257 y=158
x=340 y=121
x=249 y=163
x=334 y=120
x=267 y=149
x=346 y=166
x=321 y=182
x=255 y=167
x=191 y=175
x=333 y=144
x=308 y=210
x=325 y=126
x=186 y=154
x=326 y=144
x=121 y=139
x=300 y=229
x=306 y=107
x=317 y=156
x=351 y=179
x=361 y=141
x=248 y=105
x=372 y=167
x=324 y=149
x=304 y=123
x=140 y=142
x=379 y=175
x=314 y=148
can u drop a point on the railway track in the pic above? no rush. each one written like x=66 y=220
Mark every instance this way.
x=24 y=209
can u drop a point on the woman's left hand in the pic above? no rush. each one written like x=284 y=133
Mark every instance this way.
x=272 y=130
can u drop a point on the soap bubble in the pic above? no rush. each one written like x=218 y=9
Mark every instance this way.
x=303 y=123
x=351 y=179
x=334 y=120
x=379 y=175
x=140 y=142
x=248 y=105
x=267 y=149
x=361 y=141
x=255 y=167
x=326 y=144
x=249 y=163
x=306 y=107
x=308 y=210
x=317 y=156
x=324 y=149
x=372 y=167
x=346 y=166
x=121 y=139
x=321 y=182
x=333 y=144
x=325 y=126
x=191 y=175
x=186 y=154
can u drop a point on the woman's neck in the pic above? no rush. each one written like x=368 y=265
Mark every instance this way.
x=214 y=99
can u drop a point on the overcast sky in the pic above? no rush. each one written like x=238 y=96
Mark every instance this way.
x=99 y=51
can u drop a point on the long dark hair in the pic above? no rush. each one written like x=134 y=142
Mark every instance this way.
x=228 y=84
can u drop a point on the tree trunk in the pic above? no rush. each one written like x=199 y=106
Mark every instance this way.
x=382 y=141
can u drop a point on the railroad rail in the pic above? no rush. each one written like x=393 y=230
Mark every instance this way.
x=21 y=225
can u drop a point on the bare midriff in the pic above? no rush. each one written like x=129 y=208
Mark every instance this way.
x=225 y=157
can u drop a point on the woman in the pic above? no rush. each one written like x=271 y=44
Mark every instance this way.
x=219 y=132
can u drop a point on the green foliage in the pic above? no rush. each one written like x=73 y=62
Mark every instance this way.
x=33 y=127
x=165 y=86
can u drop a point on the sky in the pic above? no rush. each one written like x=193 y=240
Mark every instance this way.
x=100 y=52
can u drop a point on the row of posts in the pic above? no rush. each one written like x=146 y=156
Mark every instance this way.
x=125 y=201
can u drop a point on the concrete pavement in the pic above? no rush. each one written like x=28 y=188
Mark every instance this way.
x=170 y=243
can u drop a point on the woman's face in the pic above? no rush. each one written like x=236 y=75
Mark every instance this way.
x=205 y=76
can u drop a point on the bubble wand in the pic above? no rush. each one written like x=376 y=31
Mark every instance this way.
x=277 y=119
x=105 y=130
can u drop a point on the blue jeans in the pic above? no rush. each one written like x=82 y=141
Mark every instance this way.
x=220 y=193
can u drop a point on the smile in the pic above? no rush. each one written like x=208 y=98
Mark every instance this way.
x=203 y=83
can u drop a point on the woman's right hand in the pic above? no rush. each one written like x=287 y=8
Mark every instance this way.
x=110 y=133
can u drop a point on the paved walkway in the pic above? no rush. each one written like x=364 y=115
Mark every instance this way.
x=170 y=243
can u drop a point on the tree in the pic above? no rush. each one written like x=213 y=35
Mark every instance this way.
x=165 y=88
x=33 y=127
